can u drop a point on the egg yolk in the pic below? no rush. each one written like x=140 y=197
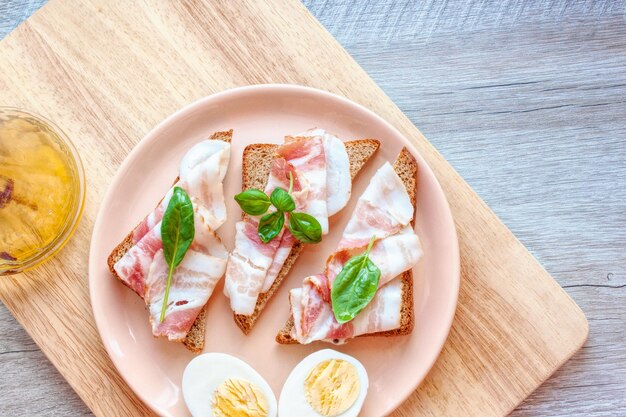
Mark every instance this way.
x=332 y=387
x=239 y=398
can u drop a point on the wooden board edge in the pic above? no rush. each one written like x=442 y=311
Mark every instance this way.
x=583 y=337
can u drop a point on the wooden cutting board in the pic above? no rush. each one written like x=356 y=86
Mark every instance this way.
x=108 y=71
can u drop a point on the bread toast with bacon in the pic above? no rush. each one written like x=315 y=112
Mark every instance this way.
x=256 y=166
x=406 y=168
x=194 y=341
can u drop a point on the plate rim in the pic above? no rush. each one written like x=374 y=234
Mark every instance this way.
x=231 y=93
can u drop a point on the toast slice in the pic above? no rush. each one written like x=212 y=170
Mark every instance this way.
x=256 y=166
x=406 y=168
x=194 y=341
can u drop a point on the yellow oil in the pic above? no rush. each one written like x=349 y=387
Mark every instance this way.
x=39 y=187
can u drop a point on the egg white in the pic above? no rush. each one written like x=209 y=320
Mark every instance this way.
x=205 y=373
x=292 y=401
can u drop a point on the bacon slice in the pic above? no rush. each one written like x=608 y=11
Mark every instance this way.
x=280 y=177
x=192 y=285
x=320 y=168
x=193 y=282
x=253 y=265
x=313 y=314
x=201 y=174
x=204 y=180
x=143 y=267
x=338 y=181
x=393 y=255
x=248 y=266
x=307 y=156
x=282 y=253
x=384 y=211
x=133 y=267
x=149 y=222
x=383 y=313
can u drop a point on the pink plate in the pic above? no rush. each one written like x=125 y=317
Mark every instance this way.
x=152 y=367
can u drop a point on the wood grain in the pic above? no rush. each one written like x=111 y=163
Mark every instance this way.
x=360 y=96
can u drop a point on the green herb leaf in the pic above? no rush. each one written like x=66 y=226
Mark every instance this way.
x=282 y=200
x=270 y=226
x=177 y=232
x=305 y=227
x=355 y=286
x=254 y=202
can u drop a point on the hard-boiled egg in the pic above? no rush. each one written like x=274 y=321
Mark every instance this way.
x=326 y=383
x=220 y=385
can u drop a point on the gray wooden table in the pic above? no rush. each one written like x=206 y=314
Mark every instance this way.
x=527 y=100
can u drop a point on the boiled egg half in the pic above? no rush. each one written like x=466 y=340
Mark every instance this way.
x=220 y=385
x=326 y=383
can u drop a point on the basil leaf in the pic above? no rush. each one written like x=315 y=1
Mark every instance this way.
x=282 y=200
x=305 y=227
x=177 y=228
x=177 y=232
x=354 y=287
x=253 y=202
x=270 y=226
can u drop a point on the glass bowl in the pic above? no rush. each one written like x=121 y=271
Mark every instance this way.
x=42 y=190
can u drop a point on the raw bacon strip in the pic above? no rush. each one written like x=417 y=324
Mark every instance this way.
x=313 y=314
x=393 y=255
x=204 y=181
x=338 y=181
x=149 y=222
x=253 y=265
x=385 y=211
x=319 y=165
x=383 y=313
x=280 y=175
x=247 y=267
x=282 y=253
x=134 y=265
x=193 y=281
x=201 y=174
x=192 y=284
x=203 y=166
x=315 y=320
x=252 y=260
x=307 y=156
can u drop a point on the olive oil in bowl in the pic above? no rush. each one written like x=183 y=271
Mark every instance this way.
x=41 y=190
